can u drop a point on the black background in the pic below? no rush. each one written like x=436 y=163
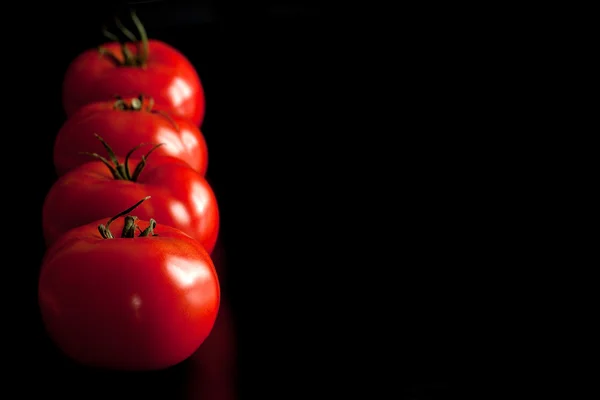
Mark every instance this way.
x=361 y=231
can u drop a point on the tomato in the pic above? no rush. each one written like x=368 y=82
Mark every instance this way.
x=212 y=369
x=128 y=294
x=146 y=66
x=125 y=123
x=182 y=198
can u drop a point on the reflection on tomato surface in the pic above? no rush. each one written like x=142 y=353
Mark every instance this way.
x=125 y=124
x=161 y=72
x=212 y=368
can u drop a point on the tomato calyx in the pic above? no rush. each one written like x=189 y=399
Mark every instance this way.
x=122 y=171
x=128 y=59
x=141 y=103
x=130 y=226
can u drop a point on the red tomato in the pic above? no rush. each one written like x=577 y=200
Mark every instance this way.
x=212 y=369
x=139 y=66
x=113 y=297
x=125 y=123
x=182 y=198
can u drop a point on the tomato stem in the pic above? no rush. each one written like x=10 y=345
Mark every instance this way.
x=145 y=49
x=140 y=59
x=109 y=35
x=113 y=171
x=125 y=31
x=149 y=231
x=140 y=166
x=128 y=155
x=142 y=103
x=120 y=168
x=103 y=52
x=134 y=104
x=129 y=227
x=121 y=171
x=105 y=229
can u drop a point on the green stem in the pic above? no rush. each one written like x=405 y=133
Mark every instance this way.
x=142 y=163
x=128 y=34
x=145 y=49
x=129 y=57
x=122 y=171
x=118 y=166
x=149 y=231
x=109 y=35
x=127 y=172
x=105 y=229
x=129 y=227
x=133 y=104
x=140 y=59
x=110 y=55
x=112 y=169
x=138 y=104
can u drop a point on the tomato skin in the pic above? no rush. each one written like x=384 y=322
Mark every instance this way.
x=181 y=198
x=212 y=369
x=123 y=130
x=168 y=77
x=144 y=303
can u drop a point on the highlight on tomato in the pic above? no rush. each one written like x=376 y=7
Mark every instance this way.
x=125 y=122
x=138 y=65
x=182 y=197
x=128 y=294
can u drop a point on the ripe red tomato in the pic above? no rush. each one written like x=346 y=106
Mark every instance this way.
x=139 y=66
x=212 y=369
x=128 y=295
x=125 y=123
x=182 y=198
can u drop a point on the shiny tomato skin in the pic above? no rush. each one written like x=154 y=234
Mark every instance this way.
x=168 y=77
x=144 y=303
x=181 y=198
x=124 y=130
